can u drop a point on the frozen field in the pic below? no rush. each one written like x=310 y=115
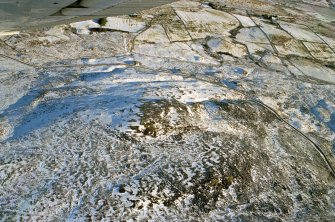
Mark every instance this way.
x=193 y=111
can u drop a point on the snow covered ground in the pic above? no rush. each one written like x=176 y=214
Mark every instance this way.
x=193 y=111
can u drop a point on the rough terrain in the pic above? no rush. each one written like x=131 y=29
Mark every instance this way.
x=193 y=111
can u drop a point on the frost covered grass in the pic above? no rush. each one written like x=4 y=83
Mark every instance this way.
x=150 y=118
